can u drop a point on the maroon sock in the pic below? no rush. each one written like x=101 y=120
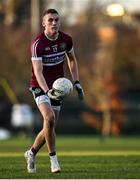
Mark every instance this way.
x=34 y=151
x=52 y=154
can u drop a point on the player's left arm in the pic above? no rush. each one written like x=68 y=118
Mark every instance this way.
x=73 y=66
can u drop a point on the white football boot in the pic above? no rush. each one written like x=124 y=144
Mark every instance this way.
x=55 y=168
x=30 y=158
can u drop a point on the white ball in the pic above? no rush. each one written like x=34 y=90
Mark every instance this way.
x=63 y=86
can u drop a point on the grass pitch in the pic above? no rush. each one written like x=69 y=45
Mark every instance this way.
x=80 y=158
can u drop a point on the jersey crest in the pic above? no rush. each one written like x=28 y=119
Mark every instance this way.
x=63 y=46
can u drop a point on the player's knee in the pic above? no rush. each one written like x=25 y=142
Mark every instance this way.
x=50 y=120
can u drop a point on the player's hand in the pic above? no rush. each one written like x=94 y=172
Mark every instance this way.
x=54 y=94
x=79 y=90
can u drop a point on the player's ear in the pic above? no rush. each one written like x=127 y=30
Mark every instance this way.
x=43 y=21
x=43 y=24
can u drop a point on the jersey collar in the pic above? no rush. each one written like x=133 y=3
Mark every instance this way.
x=51 y=38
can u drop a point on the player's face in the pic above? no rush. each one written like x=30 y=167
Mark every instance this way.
x=51 y=23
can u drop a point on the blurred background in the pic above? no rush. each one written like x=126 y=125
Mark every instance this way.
x=106 y=35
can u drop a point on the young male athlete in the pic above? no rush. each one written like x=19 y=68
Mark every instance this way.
x=49 y=51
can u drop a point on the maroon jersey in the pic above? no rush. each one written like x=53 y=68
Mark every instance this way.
x=52 y=53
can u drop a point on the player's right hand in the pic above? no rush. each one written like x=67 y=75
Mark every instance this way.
x=54 y=94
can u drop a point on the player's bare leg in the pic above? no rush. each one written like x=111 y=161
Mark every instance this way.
x=39 y=142
x=40 y=138
x=48 y=133
x=48 y=125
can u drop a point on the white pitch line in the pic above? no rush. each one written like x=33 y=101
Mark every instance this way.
x=76 y=153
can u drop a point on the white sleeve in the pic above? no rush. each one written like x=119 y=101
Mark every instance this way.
x=36 y=51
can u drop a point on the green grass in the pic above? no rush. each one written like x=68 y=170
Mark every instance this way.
x=80 y=158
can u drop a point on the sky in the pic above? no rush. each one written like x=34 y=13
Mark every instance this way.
x=79 y=5
x=72 y=8
x=130 y=5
